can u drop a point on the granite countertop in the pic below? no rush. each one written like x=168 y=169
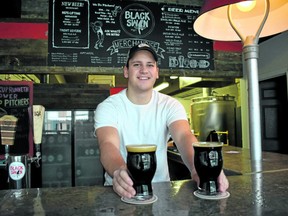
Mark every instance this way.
x=255 y=194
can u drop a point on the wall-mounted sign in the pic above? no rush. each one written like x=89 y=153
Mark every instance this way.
x=15 y=99
x=100 y=32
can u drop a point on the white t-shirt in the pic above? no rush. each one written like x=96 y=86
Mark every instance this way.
x=141 y=124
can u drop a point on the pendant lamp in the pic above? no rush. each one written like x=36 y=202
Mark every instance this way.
x=245 y=21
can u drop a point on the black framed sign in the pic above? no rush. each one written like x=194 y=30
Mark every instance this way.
x=100 y=32
x=15 y=99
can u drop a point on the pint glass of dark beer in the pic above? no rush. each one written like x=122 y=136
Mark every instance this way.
x=208 y=164
x=141 y=163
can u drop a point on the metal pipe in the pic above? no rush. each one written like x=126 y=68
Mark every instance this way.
x=7 y=151
x=250 y=55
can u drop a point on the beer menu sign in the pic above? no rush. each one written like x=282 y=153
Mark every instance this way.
x=15 y=99
x=100 y=32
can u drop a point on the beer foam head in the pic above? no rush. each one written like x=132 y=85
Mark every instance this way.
x=208 y=144
x=141 y=148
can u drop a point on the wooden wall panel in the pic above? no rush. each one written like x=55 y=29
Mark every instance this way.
x=69 y=96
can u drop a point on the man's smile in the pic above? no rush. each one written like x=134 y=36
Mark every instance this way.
x=143 y=78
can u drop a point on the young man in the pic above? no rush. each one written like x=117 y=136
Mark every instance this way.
x=140 y=115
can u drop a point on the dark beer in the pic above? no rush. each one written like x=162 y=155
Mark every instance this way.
x=208 y=164
x=141 y=163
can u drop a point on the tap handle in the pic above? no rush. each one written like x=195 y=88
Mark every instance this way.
x=8 y=124
x=38 y=119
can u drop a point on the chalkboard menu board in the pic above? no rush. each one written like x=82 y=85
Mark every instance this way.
x=15 y=99
x=100 y=32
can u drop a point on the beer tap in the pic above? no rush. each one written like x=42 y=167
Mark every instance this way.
x=38 y=118
x=8 y=127
x=18 y=165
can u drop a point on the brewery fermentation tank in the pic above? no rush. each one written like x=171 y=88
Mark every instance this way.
x=214 y=113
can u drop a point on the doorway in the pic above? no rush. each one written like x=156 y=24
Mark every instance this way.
x=274 y=107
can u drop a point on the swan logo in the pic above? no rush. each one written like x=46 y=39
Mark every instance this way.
x=137 y=20
x=17 y=170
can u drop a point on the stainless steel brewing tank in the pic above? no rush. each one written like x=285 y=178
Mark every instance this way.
x=214 y=113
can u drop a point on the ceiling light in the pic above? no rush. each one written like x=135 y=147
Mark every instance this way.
x=173 y=77
x=246 y=6
x=161 y=86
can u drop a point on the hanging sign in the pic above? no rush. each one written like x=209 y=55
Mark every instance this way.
x=100 y=33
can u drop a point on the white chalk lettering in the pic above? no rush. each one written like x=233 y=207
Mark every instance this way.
x=17 y=102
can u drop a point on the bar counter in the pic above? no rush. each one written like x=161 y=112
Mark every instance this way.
x=253 y=194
